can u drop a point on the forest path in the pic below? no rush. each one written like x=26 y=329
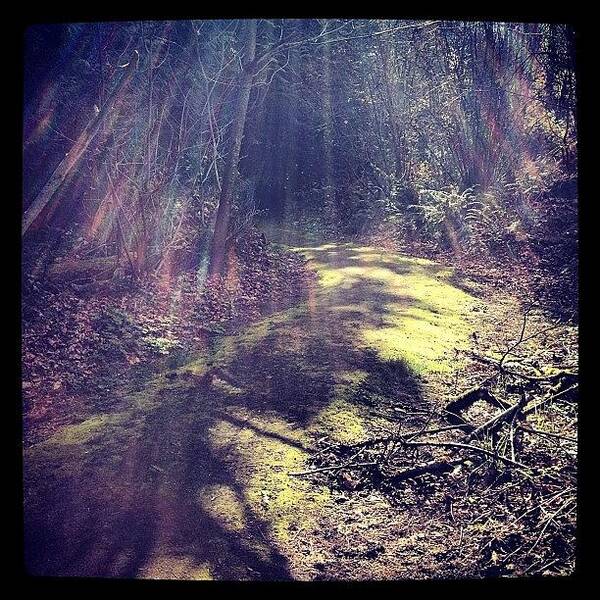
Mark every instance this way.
x=186 y=475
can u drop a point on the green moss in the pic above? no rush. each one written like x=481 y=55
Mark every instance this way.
x=423 y=339
x=173 y=430
x=177 y=566
x=341 y=420
x=309 y=250
x=85 y=431
x=221 y=502
x=425 y=322
x=352 y=377
x=263 y=461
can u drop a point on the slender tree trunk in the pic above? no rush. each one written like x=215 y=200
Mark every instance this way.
x=219 y=241
x=291 y=148
x=328 y=163
x=50 y=191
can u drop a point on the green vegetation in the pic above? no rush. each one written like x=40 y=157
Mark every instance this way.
x=237 y=362
x=423 y=314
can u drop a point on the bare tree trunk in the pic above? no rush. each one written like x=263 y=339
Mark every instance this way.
x=61 y=173
x=291 y=147
x=328 y=162
x=219 y=241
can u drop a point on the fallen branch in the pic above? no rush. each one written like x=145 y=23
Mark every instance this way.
x=497 y=420
x=549 y=378
x=472 y=449
x=548 y=433
x=496 y=363
x=389 y=438
x=334 y=468
x=549 y=399
x=478 y=392
x=434 y=467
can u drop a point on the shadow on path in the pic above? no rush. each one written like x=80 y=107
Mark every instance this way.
x=189 y=479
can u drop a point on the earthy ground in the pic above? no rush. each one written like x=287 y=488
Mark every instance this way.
x=185 y=470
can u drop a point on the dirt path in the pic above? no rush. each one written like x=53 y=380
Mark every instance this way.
x=186 y=474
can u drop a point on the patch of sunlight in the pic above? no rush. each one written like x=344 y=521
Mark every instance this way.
x=268 y=423
x=223 y=435
x=415 y=260
x=422 y=338
x=83 y=432
x=263 y=460
x=369 y=257
x=176 y=567
x=222 y=504
x=352 y=377
x=422 y=327
x=315 y=248
x=287 y=502
x=370 y=253
x=331 y=277
x=340 y=419
x=438 y=293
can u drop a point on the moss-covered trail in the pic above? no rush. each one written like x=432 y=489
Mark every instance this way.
x=186 y=474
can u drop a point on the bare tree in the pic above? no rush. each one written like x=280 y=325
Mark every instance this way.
x=219 y=241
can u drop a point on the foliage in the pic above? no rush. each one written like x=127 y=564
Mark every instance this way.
x=444 y=132
x=179 y=366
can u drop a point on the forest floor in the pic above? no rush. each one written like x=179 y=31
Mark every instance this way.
x=195 y=467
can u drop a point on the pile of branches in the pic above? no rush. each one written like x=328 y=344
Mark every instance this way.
x=503 y=452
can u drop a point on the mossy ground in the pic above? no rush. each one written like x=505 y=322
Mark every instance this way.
x=187 y=475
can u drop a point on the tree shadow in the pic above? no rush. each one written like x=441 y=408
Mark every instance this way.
x=163 y=487
x=110 y=518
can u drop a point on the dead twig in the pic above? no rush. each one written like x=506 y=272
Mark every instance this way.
x=496 y=421
x=471 y=448
x=541 y=378
x=550 y=399
x=549 y=434
x=437 y=467
x=333 y=468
